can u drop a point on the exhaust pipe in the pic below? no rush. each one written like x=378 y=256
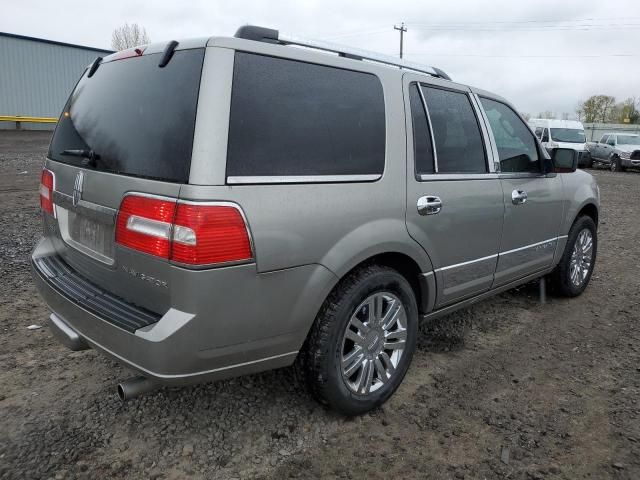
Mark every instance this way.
x=134 y=387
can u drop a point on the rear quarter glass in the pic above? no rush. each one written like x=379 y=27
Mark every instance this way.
x=137 y=117
x=295 y=118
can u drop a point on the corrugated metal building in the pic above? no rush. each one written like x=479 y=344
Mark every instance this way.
x=36 y=76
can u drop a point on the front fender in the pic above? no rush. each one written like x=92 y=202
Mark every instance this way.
x=581 y=189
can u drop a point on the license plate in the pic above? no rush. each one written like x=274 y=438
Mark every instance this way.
x=94 y=235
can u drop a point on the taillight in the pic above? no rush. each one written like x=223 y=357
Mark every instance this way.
x=46 y=191
x=191 y=233
x=145 y=224
x=208 y=234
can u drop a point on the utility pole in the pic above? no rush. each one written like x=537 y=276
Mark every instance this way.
x=402 y=29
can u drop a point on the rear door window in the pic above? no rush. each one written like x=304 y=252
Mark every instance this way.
x=291 y=118
x=137 y=118
x=458 y=141
x=422 y=147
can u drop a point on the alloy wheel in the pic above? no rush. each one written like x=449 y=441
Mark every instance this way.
x=373 y=343
x=581 y=257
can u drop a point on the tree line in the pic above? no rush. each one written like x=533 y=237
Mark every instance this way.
x=604 y=109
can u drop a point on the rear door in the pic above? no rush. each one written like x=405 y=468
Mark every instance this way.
x=533 y=201
x=454 y=199
x=126 y=128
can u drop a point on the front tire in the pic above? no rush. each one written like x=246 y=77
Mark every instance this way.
x=362 y=341
x=572 y=275
x=616 y=165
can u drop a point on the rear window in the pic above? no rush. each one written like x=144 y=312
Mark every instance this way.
x=291 y=118
x=137 y=118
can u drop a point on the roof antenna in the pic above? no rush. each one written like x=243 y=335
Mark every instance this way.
x=94 y=66
x=168 y=53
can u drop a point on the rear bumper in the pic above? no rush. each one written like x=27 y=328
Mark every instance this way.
x=183 y=347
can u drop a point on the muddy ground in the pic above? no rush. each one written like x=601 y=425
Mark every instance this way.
x=507 y=389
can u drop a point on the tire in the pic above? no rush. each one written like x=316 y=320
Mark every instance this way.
x=589 y=163
x=328 y=344
x=571 y=276
x=616 y=165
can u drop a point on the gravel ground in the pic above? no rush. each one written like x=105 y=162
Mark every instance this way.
x=507 y=389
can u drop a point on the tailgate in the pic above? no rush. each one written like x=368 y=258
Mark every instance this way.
x=84 y=235
x=127 y=127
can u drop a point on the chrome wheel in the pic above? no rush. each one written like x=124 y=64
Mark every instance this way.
x=373 y=342
x=581 y=257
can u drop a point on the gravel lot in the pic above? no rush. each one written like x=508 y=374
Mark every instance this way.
x=507 y=389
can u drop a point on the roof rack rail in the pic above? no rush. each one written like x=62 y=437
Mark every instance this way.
x=269 y=35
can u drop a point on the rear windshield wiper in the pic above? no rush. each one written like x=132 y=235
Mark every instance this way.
x=89 y=156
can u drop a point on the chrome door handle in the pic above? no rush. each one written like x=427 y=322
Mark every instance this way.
x=429 y=205
x=518 y=197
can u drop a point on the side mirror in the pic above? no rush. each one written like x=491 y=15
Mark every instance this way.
x=545 y=138
x=565 y=160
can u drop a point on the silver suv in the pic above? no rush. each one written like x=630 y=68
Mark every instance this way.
x=222 y=206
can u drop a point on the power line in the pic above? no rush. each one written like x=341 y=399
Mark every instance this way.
x=480 y=55
x=554 y=21
x=541 y=28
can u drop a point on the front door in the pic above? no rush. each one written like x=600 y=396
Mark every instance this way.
x=454 y=200
x=532 y=201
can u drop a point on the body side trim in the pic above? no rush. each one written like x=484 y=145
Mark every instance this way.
x=252 y=180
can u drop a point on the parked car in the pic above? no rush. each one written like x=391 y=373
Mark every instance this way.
x=617 y=150
x=222 y=206
x=562 y=134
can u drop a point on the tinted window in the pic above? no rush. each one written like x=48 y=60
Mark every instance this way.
x=295 y=118
x=516 y=145
x=568 y=135
x=423 y=151
x=612 y=140
x=459 y=146
x=137 y=117
x=604 y=139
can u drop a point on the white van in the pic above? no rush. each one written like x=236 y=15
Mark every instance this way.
x=562 y=134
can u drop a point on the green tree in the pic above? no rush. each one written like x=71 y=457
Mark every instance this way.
x=629 y=110
x=597 y=108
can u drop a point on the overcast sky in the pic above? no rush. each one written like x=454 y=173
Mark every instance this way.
x=540 y=54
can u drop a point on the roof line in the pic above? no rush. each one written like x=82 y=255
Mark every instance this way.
x=54 y=42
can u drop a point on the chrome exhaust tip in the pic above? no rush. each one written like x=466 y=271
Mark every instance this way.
x=134 y=387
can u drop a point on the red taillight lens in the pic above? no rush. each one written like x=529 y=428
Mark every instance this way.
x=145 y=224
x=208 y=234
x=46 y=191
x=187 y=233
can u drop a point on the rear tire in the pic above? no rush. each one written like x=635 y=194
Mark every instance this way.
x=572 y=274
x=362 y=341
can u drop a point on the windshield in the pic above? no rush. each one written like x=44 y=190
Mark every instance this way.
x=628 y=139
x=133 y=117
x=568 y=135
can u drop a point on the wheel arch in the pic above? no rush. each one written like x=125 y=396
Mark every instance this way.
x=590 y=210
x=422 y=283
